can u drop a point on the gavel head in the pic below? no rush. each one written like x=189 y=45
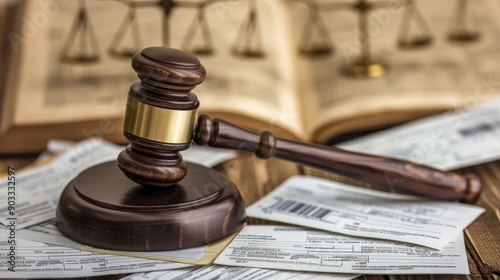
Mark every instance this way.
x=160 y=117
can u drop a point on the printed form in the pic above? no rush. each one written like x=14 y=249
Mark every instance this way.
x=110 y=264
x=40 y=186
x=448 y=141
x=49 y=234
x=38 y=260
x=326 y=205
x=218 y=272
x=294 y=248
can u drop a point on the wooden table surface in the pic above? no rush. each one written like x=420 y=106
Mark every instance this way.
x=255 y=178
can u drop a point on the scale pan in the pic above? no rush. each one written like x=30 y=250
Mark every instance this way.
x=316 y=51
x=415 y=42
x=249 y=53
x=464 y=36
x=83 y=59
x=123 y=52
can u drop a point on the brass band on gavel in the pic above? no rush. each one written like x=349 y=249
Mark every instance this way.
x=159 y=124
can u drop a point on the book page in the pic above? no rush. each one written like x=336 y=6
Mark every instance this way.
x=3 y=32
x=53 y=91
x=417 y=82
x=9 y=11
x=263 y=89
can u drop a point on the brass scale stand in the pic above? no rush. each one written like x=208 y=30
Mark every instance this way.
x=248 y=43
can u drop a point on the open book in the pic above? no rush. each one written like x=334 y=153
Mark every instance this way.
x=291 y=95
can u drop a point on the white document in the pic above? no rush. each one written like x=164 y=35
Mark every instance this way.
x=331 y=206
x=234 y=273
x=448 y=141
x=294 y=248
x=49 y=234
x=38 y=260
x=54 y=146
x=207 y=156
x=38 y=188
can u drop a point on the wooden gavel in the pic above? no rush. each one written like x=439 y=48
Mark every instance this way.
x=161 y=120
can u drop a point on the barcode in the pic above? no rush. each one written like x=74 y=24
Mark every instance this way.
x=300 y=209
x=480 y=128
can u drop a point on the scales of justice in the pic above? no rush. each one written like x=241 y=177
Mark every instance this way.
x=314 y=40
x=149 y=199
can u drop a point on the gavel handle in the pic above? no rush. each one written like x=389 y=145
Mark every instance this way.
x=392 y=174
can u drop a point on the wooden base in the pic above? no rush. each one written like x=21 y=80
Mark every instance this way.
x=101 y=207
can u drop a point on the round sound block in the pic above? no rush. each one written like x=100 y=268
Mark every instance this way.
x=101 y=207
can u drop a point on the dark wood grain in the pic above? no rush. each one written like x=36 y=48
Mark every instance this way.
x=163 y=68
x=253 y=179
x=484 y=234
x=152 y=163
x=392 y=174
x=103 y=208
